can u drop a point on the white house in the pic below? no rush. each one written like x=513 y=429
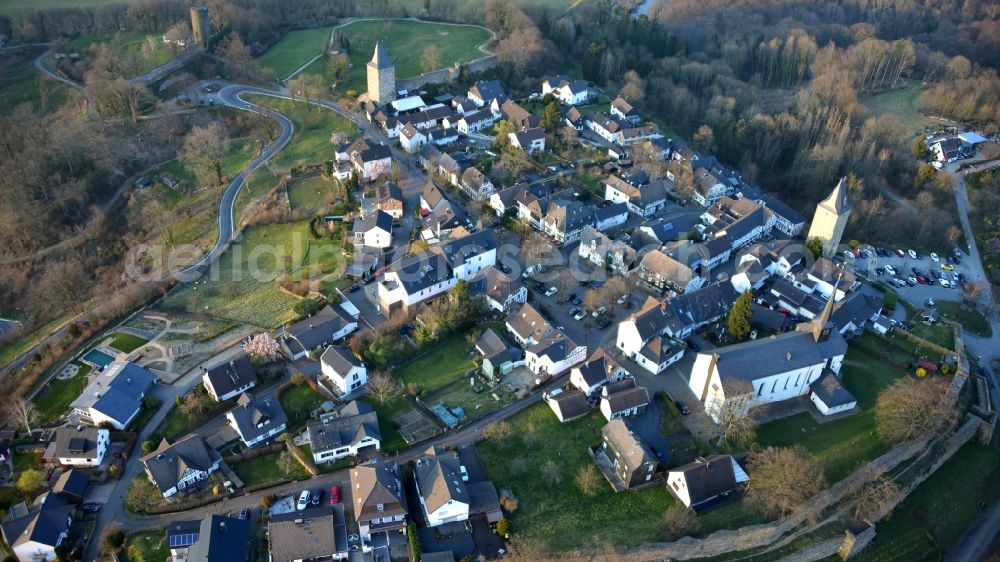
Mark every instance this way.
x=34 y=532
x=475 y=121
x=412 y=138
x=230 y=378
x=475 y=184
x=527 y=325
x=348 y=431
x=374 y=231
x=598 y=370
x=699 y=482
x=566 y=90
x=115 y=395
x=343 y=372
x=501 y=291
x=441 y=487
x=554 y=354
x=529 y=140
x=377 y=498
x=413 y=279
x=829 y=396
x=606 y=218
x=769 y=369
x=172 y=468
x=372 y=162
x=483 y=92
x=623 y=399
x=79 y=446
x=257 y=419
x=311 y=334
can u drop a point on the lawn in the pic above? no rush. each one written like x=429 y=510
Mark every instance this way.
x=313 y=126
x=902 y=103
x=932 y=519
x=447 y=363
x=20 y=83
x=971 y=320
x=243 y=287
x=939 y=333
x=558 y=514
x=136 y=57
x=392 y=440
x=54 y=400
x=293 y=50
x=299 y=401
x=148 y=546
x=313 y=195
x=842 y=445
x=406 y=41
x=127 y=343
x=264 y=469
x=177 y=423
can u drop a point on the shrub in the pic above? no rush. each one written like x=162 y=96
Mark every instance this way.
x=503 y=528
x=415 y=548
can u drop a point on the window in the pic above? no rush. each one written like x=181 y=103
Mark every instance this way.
x=773 y=386
x=760 y=390
x=380 y=507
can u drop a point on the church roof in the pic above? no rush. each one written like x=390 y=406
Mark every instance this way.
x=837 y=201
x=381 y=57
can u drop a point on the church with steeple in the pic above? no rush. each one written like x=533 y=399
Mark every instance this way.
x=830 y=219
x=769 y=369
x=381 y=76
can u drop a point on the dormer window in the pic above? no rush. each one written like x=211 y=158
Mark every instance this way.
x=380 y=507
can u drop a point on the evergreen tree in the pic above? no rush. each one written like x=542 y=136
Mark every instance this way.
x=550 y=117
x=738 y=321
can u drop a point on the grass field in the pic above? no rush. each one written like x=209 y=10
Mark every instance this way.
x=139 y=52
x=313 y=126
x=20 y=83
x=971 y=320
x=244 y=285
x=558 y=514
x=264 y=469
x=932 y=519
x=902 y=103
x=147 y=546
x=392 y=440
x=939 y=333
x=313 y=195
x=298 y=402
x=293 y=50
x=127 y=343
x=54 y=400
x=841 y=445
x=406 y=41
x=12 y=6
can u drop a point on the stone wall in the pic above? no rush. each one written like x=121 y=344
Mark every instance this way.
x=446 y=74
x=815 y=552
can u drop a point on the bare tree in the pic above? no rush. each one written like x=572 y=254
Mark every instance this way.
x=383 y=387
x=235 y=54
x=497 y=431
x=431 y=58
x=874 y=498
x=734 y=423
x=518 y=466
x=25 y=412
x=338 y=64
x=537 y=250
x=205 y=149
x=678 y=521
x=910 y=408
x=287 y=462
x=782 y=479
x=306 y=86
x=588 y=480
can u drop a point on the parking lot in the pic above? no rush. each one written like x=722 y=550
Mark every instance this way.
x=907 y=271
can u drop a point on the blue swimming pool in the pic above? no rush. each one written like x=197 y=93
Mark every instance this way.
x=98 y=358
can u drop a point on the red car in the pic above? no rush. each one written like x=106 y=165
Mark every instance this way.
x=334 y=495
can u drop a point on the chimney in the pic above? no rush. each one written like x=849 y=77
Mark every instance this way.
x=222 y=526
x=788 y=356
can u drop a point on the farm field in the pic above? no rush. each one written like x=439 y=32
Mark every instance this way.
x=293 y=50
x=902 y=103
x=840 y=445
x=20 y=83
x=136 y=58
x=244 y=286
x=313 y=126
x=406 y=41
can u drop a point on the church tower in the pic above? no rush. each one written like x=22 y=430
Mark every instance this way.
x=381 y=76
x=830 y=219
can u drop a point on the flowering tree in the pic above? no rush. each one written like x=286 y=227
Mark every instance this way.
x=261 y=348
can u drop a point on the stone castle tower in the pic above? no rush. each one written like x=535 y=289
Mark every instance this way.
x=199 y=24
x=830 y=219
x=381 y=76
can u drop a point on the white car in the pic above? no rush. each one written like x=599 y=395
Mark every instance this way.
x=849 y=254
x=600 y=311
x=899 y=282
x=889 y=269
x=623 y=299
x=935 y=258
x=465 y=473
x=944 y=282
x=913 y=255
x=580 y=315
x=551 y=291
x=303 y=500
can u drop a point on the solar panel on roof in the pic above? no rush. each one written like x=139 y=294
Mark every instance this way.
x=180 y=541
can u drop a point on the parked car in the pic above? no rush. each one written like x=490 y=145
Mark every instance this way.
x=465 y=473
x=334 y=494
x=624 y=299
x=890 y=270
x=551 y=291
x=353 y=288
x=921 y=279
x=944 y=282
x=849 y=254
x=316 y=497
x=913 y=254
x=912 y=281
x=900 y=253
x=573 y=311
x=691 y=344
x=580 y=315
x=303 y=500
x=935 y=258
x=947 y=267
x=604 y=323
x=91 y=507
x=681 y=407
x=600 y=310
x=577 y=300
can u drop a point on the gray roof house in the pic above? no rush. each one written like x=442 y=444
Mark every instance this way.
x=221 y=539
x=498 y=354
x=331 y=323
x=706 y=481
x=623 y=398
x=568 y=405
x=347 y=431
x=176 y=467
x=230 y=378
x=318 y=533
x=630 y=459
x=114 y=395
x=378 y=498
x=257 y=419
x=33 y=532
x=829 y=395
x=440 y=487
x=527 y=325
